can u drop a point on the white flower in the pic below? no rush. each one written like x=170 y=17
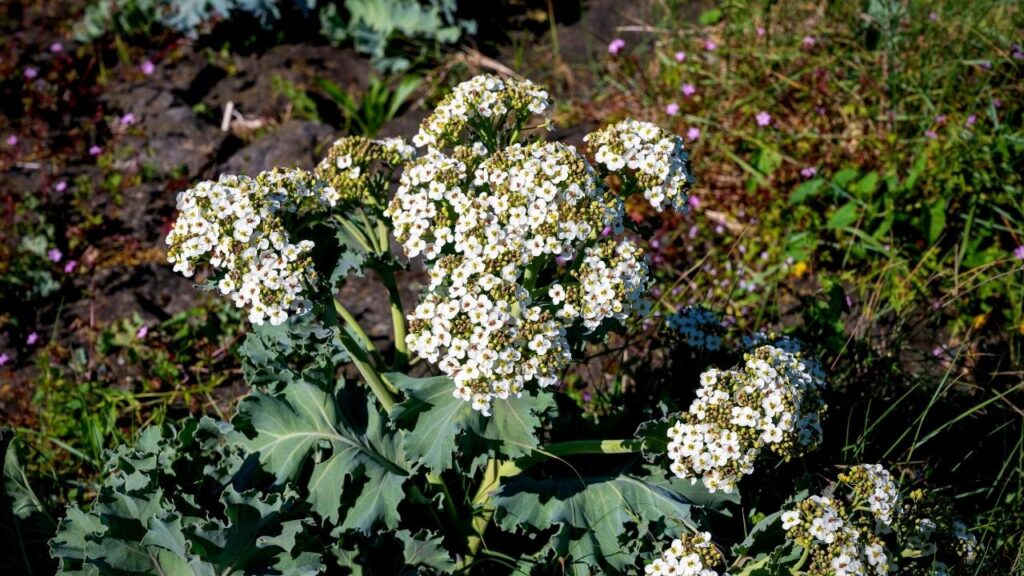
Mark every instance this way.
x=654 y=156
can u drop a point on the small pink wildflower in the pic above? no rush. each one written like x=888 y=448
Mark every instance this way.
x=693 y=201
x=31 y=73
x=147 y=67
x=763 y=118
x=1019 y=252
x=680 y=56
x=693 y=134
x=710 y=46
x=809 y=172
x=54 y=255
x=56 y=47
x=809 y=41
x=128 y=119
x=689 y=89
x=606 y=232
x=971 y=120
x=930 y=134
x=142 y=332
x=616 y=46
x=70 y=266
x=761 y=31
x=32 y=339
x=672 y=109
x=60 y=186
x=4 y=359
x=934 y=16
x=12 y=140
x=95 y=150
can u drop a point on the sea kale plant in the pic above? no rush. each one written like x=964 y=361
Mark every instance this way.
x=451 y=450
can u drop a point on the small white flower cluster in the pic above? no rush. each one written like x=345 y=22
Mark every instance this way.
x=236 y=225
x=771 y=402
x=838 y=545
x=654 y=157
x=688 y=556
x=698 y=327
x=484 y=321
x=844 y=531
x=348 y=169
x=873 y=484
x=484 y=104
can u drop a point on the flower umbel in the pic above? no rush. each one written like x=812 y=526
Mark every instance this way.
x=772 y=402
x=236 y=224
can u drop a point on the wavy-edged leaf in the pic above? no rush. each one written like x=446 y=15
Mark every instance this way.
x=157 y=513
x=435 y=416
x=592 y=514
x=358 y=466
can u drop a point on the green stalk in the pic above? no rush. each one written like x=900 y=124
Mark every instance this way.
x=360 y=349
x=357 y=330
x=398 y=320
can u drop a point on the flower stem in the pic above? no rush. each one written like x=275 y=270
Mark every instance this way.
x=360 y=349
x=398 y=320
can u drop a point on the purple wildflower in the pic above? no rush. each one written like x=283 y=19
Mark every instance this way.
x=142 y=332
x=763 y=118
x=710 y=45
x=128 y=119
x=971 y=120
x=689 y=89
x=147 y=67
x=54 y=255
x=95 y=150
x=693 y=134
x=809 y=172
x=616 y=46
x=4 y=359
x=1019 y=252
x=56 y=47
x=680 y=56
x=809 y=41
x=672 y=109
x=12 y=140
x=31 y=73
x=930 y=134
x=32 y=339
x=70 y=266
x=60 y=186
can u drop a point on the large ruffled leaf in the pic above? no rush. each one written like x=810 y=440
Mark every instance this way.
x=356 y=467
x=274 y=356
x=436 y=418
x=599 y=520
x=158 y=512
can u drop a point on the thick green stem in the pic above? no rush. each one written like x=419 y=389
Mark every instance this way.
x=483 y=510
x=357 y=329
x=397 y=318
x=360 y=349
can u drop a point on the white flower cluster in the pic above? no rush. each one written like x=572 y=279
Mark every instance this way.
x=688 y=556
x=771 y=402
x=654 y=157
x=349 y=173
x=873 y=484
x=487 y=231
x=236 y=225
x=838 y=545
x=485 y=104
x=698 y=327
